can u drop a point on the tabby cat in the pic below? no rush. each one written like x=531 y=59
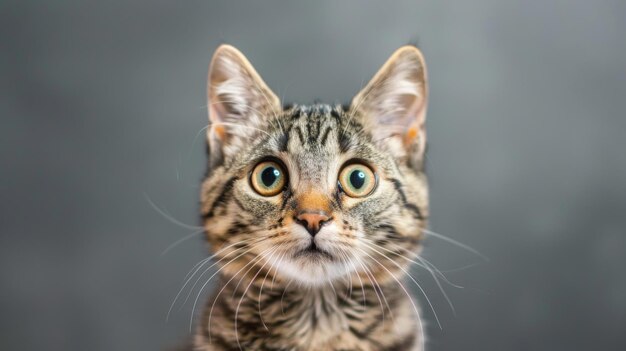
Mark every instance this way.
x=314 y=212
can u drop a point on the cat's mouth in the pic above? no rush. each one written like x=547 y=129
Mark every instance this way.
x=313 y=251
x=314 y=262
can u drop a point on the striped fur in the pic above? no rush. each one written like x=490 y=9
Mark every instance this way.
x=273 y=294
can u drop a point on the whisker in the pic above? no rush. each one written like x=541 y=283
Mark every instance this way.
x=276 y=268
x=222 y=290
x=217 y=253
x=419 y=321
x=248 y=242
x=169 y=217
x=263 y=283
x=199 y=265
x=424 y=262
x=250 y=248
x=443 y=292
x=177 y=242
x=376 y=287
x=425 y=266
x=393 y=319
x=358 y=276
x=410 y=277
x=346 y=259
x=331 y=286
x=282 y=297
x=458 y=269
x=457 y=243
x=262 y=255
x=436 y=270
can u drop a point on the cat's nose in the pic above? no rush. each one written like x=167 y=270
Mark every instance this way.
x=312 y=220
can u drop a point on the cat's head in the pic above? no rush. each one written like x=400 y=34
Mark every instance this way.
x=315 y=193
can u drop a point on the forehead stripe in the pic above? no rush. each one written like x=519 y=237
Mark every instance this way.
x=325 y=136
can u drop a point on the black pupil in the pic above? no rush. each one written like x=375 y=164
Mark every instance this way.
x=269 y=176
x=357 y=179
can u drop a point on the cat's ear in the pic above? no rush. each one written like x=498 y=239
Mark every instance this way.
x=239 y=102
x=393 y=105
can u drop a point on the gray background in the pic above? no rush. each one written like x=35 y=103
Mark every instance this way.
x=101 y=102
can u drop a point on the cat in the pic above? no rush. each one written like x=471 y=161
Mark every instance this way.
x=313 y=212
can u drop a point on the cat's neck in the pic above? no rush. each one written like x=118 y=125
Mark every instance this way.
x=266 y=309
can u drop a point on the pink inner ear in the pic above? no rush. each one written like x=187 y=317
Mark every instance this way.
x=216 y=113
x=410 y=135
x=220 y=132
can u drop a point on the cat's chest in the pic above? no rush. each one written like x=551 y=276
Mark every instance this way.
x=321 y=320
x=317 y=316
x=315 y=319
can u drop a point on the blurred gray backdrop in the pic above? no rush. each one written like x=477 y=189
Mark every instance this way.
x=102 y=103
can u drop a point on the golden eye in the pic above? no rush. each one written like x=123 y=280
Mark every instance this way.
x=268 y=178
x=357 y=180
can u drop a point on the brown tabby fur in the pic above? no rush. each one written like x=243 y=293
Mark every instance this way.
x=348 y=293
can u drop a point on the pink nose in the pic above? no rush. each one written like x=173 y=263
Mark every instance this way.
x=312 y=220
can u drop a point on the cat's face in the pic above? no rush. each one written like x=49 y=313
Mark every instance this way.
x=315 y=193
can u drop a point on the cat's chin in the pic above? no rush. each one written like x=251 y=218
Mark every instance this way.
x=313 y=268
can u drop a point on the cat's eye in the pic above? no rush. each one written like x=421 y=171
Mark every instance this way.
x=357 y=180
x=268 y=178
